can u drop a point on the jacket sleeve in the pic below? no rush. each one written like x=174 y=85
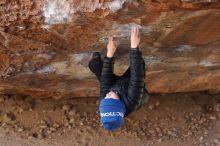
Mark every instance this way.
x=106 y=76
x=137 y=74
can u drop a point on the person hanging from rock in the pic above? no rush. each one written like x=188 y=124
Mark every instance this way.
x=119 y=95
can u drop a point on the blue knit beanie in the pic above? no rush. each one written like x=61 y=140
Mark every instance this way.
x=112 y=113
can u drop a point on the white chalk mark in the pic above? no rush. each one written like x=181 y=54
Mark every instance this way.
x=46 y=69
x=184 y=48
x=206 y=63
x=62 y=11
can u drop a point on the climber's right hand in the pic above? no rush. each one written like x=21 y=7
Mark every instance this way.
x=135 y=37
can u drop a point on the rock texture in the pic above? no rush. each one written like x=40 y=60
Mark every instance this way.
x=46 y=45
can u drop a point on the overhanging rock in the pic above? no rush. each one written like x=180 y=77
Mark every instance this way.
x=46 y=45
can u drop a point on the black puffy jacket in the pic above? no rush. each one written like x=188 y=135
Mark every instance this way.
x=131 y=90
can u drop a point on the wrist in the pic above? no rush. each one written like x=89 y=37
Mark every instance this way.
x=110 y=55
x=134 y=46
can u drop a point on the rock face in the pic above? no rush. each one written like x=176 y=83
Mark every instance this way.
x=46 y=45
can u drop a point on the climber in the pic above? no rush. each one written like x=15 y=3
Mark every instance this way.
x=119 y=95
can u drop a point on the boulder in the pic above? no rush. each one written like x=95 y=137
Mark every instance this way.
x=46 y=45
